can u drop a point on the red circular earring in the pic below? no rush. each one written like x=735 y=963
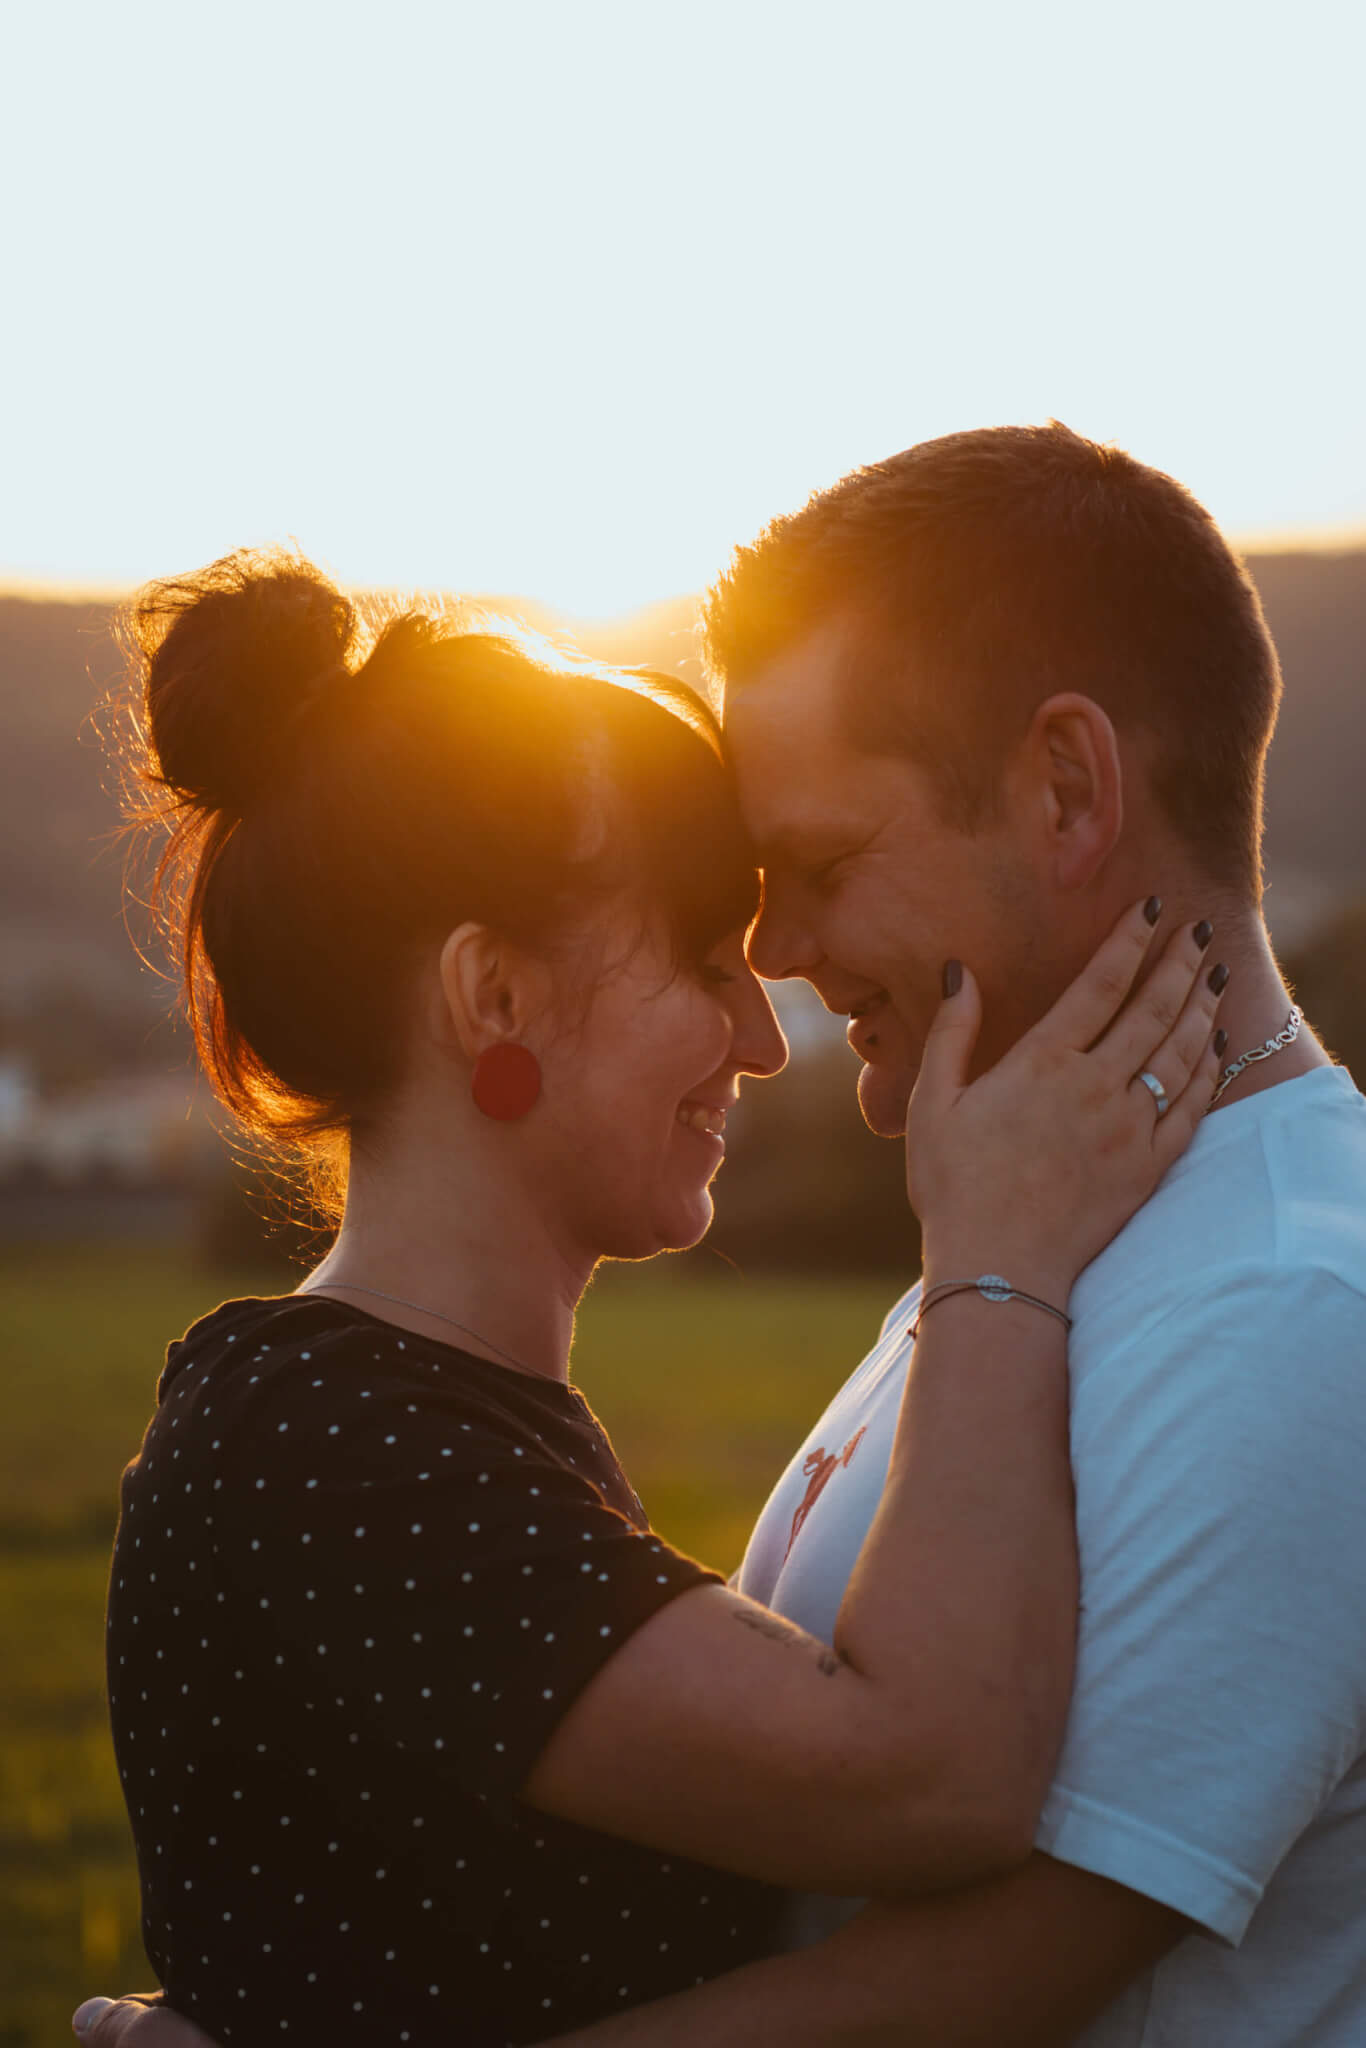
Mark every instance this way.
x=506 y=1082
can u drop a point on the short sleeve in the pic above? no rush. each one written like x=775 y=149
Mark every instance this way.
x=449 y=1588
x=1221 y=1682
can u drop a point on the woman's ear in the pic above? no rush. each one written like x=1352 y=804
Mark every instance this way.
x=1072 y=762
x=490 y=989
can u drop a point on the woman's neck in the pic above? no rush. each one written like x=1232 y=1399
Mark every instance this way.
x=459 y=1258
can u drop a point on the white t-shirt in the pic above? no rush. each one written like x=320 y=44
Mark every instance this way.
x=1215 y=1756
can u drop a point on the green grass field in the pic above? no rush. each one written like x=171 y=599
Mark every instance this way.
x=707 y=1382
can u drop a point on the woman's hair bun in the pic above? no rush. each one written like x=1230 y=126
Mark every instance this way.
x=229 y=656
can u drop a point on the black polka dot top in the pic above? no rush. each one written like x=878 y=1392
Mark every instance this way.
x=358 y=1578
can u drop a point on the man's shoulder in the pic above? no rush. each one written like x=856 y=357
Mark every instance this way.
x=1269 y=1204
x=1225 y=1335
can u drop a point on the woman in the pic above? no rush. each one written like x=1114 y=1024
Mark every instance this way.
x=415 y=1715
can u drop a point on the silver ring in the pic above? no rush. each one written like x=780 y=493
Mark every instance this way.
x=1155 y=1089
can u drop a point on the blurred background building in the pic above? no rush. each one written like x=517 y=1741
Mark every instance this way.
x=107 y=1134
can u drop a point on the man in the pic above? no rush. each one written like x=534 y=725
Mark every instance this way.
x=978 y=698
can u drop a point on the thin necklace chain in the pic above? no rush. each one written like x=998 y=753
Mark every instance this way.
x=1287 y=1035
x=352 y=1287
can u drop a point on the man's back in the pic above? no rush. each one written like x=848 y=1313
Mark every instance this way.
x=1219 y=1441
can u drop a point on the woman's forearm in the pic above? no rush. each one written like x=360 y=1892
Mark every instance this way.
x=963 y=1600
x=917 y=1757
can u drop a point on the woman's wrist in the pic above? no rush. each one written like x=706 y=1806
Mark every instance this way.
x=1029 y=1270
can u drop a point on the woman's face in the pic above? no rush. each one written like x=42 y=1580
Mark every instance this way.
x=633 y=1106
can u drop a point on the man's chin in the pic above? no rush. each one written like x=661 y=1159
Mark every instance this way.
x=883 y=1095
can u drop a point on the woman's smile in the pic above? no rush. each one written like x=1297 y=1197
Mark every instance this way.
x=705 y=1119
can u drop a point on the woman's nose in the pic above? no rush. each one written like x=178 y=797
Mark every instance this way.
x=758 y=1046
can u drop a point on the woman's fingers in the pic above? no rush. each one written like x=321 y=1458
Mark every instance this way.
x=139 y=2020
x=101 y=2023
x=1087 y=1007
x=1175 y=1130
x=1166 y=1027
x=952 y=1036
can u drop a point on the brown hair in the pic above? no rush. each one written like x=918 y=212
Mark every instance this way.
x=983 y=572
x=334 y=812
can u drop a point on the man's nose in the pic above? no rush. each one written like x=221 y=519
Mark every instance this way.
x=778 y=945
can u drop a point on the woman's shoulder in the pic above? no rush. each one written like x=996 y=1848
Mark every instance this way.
x=302 y=1371
x=261 y=1323
x=299 y=1413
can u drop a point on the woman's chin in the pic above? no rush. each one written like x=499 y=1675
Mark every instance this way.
x=696 y=1229
x=675 y=1228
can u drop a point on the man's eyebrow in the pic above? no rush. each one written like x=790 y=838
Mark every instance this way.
x=808 y=846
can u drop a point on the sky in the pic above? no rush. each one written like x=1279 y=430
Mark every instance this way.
x=564 y=297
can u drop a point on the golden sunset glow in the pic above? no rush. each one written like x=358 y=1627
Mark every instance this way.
x=563 y=300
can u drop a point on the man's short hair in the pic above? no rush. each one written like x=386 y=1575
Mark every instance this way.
x=982 y=573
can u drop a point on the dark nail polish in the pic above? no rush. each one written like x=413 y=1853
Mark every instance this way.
x=953 y=977
x=1152 y=909
x=1220 y=1043
x=1218 y=979
x=1203 y=933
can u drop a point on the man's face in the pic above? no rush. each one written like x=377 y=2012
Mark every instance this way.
x=866 y=890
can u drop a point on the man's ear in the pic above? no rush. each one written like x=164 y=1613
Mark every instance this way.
x=1075 y=785
x=490 y=989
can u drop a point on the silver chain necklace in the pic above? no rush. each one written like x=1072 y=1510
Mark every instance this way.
x=1287 y=1035
x=351 y=1287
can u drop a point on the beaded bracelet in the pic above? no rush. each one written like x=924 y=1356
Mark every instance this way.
x=991 y=1287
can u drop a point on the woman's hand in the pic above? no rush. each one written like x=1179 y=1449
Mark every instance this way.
x=1031 y=1169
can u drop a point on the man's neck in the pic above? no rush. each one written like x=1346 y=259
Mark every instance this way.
x=1255 y=1007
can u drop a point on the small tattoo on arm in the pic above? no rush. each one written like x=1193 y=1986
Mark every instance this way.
x=828 y=1662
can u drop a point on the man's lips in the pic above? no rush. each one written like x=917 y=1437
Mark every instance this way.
x=865 y=1004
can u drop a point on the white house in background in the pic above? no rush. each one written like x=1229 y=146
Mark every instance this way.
x=17 y=1098
x=135 y=1128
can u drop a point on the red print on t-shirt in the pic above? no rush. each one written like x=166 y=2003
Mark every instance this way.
x=818 y=1469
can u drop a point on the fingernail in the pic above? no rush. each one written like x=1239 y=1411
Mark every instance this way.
x=1218 y=978
x=953 y=977
x=1220 y=1043
x=1152 y=909
x=85 y=2016
x=1203 y=933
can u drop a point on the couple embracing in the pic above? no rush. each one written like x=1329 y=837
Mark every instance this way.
x=426 y=1735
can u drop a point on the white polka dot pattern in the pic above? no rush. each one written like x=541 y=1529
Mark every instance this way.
x=324 y=1702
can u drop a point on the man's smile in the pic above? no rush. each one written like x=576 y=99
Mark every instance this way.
x=864 y=1019
x=867 y=1003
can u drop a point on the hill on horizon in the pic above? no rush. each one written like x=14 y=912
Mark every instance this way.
x=61 y=921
